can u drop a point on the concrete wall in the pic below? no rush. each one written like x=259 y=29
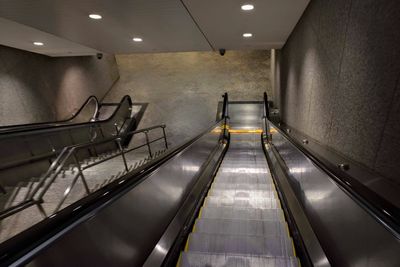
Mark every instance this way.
x=183 y=89
x=35 y=88
x=339 y=80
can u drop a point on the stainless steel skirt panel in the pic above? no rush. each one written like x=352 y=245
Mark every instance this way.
x=349 y=235
x=125 y=232
x=245 y=115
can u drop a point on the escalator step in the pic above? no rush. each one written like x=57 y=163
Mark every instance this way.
x=240 y=244
x=242 y=193
x=259 y=203
x=241 y=227
x=196 y=259
x=242 y=213
x=230 y=186
x=241 y=179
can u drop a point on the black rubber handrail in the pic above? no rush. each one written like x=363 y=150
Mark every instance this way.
x=379 y=208
x=66 y=126
x=17 y=127
x=29 y=240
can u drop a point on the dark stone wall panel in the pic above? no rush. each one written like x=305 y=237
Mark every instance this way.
x=354 y=69
x=36 y=88
x=388 y=157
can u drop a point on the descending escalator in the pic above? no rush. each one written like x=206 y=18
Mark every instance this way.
x=239 y=194
x=241 y=220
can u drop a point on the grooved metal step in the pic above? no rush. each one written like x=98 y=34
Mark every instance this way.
x=240 y=213
x=196 y=259
x=275 y=246
x=258 y=203
x=240 y=227
x=241 y=222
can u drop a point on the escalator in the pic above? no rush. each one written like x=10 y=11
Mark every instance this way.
x=241 y=220
x=239 y=194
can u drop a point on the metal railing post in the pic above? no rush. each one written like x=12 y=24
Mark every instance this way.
x=116 y=129
x=165 y=136
x=146 y=133
x=122 y=154
x=78 y=165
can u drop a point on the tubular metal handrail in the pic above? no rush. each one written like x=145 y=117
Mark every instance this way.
x=47 y=180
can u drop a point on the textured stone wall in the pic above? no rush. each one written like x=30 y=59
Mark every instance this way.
x=183 y=89
x=339 y=80
x=35 y=88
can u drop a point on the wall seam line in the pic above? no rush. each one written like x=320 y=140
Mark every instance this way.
x=340 y=69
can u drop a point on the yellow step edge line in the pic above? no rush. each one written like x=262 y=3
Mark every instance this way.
x=294 y=250
x=187 y=244
x=287 y=229
x=194 y=226
x=200 y=212
x=178 y=264
x=245 y=131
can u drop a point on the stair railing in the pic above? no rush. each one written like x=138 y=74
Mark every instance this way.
x=36 y=196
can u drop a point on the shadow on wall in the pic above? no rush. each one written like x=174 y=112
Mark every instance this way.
x=38 y=88
x=183 y=89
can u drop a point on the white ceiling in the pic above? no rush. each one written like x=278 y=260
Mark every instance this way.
x=164 y=25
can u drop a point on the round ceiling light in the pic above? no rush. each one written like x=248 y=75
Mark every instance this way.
x=38 y=43
x=247 y=7
x=247 y=35
x=95 y=16
x=137 y=39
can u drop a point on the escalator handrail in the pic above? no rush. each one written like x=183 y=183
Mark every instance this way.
x=32 y=240
x=380 y=209
x=18 y=127
x=66 y=126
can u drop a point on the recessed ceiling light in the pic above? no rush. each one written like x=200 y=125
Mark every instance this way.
x=38 y=43
x=95 y=16
x=247 y=35
x=247 y=7
x=137 y=39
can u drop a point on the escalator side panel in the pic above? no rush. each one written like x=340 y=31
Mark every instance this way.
x=348 y=234
x=124 y=232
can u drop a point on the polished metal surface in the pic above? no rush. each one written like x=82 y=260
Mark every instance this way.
x=241 y=222
x=124 y=232
x=246 y=115
x=347 y=232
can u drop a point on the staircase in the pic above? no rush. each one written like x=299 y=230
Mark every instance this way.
x=69 y=185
